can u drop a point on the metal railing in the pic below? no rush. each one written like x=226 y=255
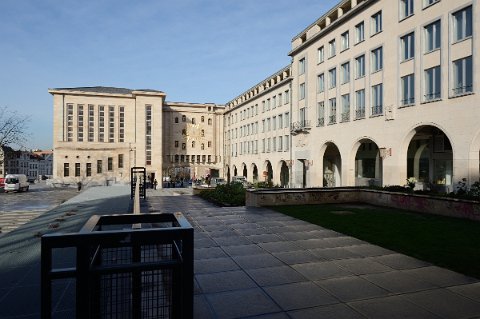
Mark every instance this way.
x=462 y=89
x=118 y=272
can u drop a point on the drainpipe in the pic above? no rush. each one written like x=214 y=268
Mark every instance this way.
x=290 y=134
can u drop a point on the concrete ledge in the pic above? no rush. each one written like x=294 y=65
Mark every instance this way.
x=418 y=203
x=196 y=190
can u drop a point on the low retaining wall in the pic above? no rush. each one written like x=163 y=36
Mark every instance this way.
x=417 y=203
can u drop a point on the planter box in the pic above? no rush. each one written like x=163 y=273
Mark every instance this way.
x=418 y=203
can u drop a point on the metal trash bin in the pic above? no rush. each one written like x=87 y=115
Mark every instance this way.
x=125 y=266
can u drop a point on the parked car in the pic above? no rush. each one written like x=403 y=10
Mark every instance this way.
x=240 y=179
x=217 y=181
x=16 y=182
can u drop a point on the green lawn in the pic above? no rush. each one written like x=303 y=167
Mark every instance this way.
x=447 y=242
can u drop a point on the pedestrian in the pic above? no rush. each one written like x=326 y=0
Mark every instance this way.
x=79 y=186
x=155 y=184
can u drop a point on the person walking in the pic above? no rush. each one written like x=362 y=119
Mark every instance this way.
x=155 y=184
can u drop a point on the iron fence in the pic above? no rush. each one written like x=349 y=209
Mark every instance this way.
x=122 y=266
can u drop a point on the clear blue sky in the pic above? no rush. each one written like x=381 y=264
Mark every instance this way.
x=194 y=50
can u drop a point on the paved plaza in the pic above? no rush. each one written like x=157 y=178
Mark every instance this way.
x=254 y=263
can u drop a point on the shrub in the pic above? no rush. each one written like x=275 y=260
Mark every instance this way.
x=232 y=194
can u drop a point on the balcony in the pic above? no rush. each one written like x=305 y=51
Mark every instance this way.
x=360 y=114
x=461 y=90
x=346 y=116
x=432 y=96
x=377 y=110
x=332 y=119
x=321 y=121
x=300 y=127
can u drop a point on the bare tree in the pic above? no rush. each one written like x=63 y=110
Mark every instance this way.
x=13 y=127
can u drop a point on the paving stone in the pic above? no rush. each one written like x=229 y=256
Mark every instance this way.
x=275 y=275
x=440 y=276
x=204 y=243
x=244 y=250
x=352 y=288
x=244 y=303
x=326 y=312
x=224 y=281
x=395 y=307
x=334 y=253
x=257 y=261
x=368 y=250
x=445 y=303
x=276 y=247
x=400 y=262
x=254 y=231
x=296 y=257
x=471 y=291
x=210 y=252
x=362 y=266
x=212 y=265
x=321 y=270
x=201 y=308
x=300 y=295
x=399 y=282
x=222 y=233
x=264 y=238
x=232 y=241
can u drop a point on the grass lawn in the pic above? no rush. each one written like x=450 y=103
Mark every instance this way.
x=446 y=242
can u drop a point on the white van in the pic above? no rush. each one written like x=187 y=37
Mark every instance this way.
x=16 y=182
x=240 y=179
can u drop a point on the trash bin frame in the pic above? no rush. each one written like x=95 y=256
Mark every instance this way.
x=91 y=238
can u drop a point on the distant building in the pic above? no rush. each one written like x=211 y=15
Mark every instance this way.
x=100 y=133
x=31 y=163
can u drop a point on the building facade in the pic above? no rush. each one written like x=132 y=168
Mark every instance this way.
x=383 y=91
x=100 y=133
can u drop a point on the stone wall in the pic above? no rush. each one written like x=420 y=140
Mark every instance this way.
x=417 y=203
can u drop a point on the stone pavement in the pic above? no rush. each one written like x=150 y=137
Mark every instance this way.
x=253 y=263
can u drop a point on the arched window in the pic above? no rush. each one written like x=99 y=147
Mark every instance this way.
x=203 y=132
x=184 y=118
x=193 y=120
x=202 y=147
x=209 y=121
x=176 y=119
x=202 y=119
x=193 y=144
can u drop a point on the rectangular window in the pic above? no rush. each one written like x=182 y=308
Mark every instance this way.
x=302 y=117
x=377 y=99
x=88 y=169
x=287 y=96
x=301 y=66
x=287 y=119
x=332 y=78
x=99 y=167
x=408 y=90
x=360 y=66
x=121 y=124
x=463 y=76
x=101 y=123
x=120 y=160
x=377 y=23
x=406 y=8
x=432 y=36
x=332 y=48
x=408 y=46
x=345 y=72
x=274 y=144
x=377 y=59
x=462 y=24
x=345 y=40
x=320 y=83
x=111 y=124
x=110 y=164
x=91 y=122
x=345 y=107
x=360 y=32
x=432 y=84
x=320 y=54
x=280 y=144
x=66 y=169
x=79 y=123
x=77 y=169
x=274 y=102
x=148 y=135
x=333 y=111
x=286 y=142
x=274 y=123
x=280 y=121
x=427 y=3
x=321 y=113
x=301 y=93
x=69 y=122
x=360 y=104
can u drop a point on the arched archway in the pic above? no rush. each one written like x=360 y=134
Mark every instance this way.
x=244 y=170
x=430 y=159
x=368 y=164
x=332 y=166
x=235 y=172
x=228 y=174
x=254 y=173
x=268 y=172
x=284 y=174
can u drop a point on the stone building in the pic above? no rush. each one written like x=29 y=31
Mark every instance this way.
x=100 y=133
x=381 y=91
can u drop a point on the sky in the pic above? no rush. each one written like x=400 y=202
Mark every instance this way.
x=204 y=51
